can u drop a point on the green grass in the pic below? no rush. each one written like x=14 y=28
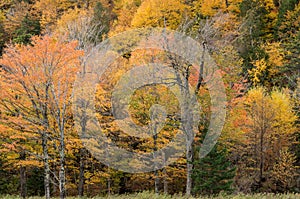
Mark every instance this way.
x=150 y=195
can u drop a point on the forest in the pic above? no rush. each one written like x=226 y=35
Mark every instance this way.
x=176 y=97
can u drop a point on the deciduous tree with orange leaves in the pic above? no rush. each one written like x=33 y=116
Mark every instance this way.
x=36 y=85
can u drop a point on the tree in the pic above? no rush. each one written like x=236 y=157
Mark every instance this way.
x=284 y=7
x=213 y=173
x=267 y=71
x=269 y=127
x=125 y=11
x=28 y=28
x=146 y=108
x=18 y=147
x=36 y=82
x=2 y=33
x=289 y=33
x=257 y=27
x=155 y=13
x=14 y=16
x=284 y=171
x=101 y=20
x=208 y=8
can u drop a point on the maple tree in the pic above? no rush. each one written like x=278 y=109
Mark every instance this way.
x=36 y=93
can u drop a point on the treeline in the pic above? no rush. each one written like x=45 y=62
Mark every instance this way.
x=44 y=44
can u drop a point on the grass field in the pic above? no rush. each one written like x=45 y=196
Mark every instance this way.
x=149 y=195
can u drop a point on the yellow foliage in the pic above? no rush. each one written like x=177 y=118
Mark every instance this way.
x=274 y=112
x=155 y=13
x=284 y=116
x=15 y=16
x=275 y=53
x=51 y=10
x=234 y=6
x=211 y=7
x=125 y=10
x=71 y=16
x=256 y=73
x=265 y=69
x=269 y=127
x=284 y=171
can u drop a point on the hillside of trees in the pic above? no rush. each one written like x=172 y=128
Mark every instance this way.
x=45 y=45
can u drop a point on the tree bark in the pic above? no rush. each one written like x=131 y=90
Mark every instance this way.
x=22 y=176
x=189 y=171
x=109 y=186
x=156 y=178
x=165 y=181
x=226 y=3
x=81 y=173
x=156 y=182
x=46 y=165
x=188 y=121
x=62 y=179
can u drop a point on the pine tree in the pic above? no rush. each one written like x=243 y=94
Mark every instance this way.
x=28 y=28
x=285 y=6
x=213 y=173
x=289 y=33
x=254 y=32
x=101 y=21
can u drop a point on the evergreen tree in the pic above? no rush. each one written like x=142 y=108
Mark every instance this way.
x=289 y=34
x=2 y=33
x=213 y=173
x=35 y=182
x=254 y=32
x=284 y=6
x=101 y=21
x=28 y=28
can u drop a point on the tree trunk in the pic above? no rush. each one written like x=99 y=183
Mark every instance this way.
x=122 y=185
x=261 y=149
x=156 y=182
x=165 y=181
x=226 y=3
x=108 y=186
x=62 y=179
x=46 y=165
x=189 y=158
x=81 y=173
x=22 y=176
x=45 y=144
x=188 y=121
x=156 y=178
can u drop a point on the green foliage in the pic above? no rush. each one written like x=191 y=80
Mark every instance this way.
x=289 y=33
x=254 y=32
x=213 y=174
x=254 y=14
x=285 y=6
x=101 y=20
x=8 y=179
x=28 y=28
x=2 y=32
x=35 y=182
